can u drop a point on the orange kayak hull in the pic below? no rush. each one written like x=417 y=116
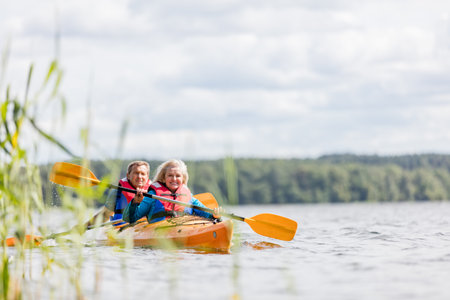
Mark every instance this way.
x=186 y=232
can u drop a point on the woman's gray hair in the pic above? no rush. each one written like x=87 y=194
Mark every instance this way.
x=172 y=163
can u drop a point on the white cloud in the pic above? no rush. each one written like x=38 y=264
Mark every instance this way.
x=201 y=78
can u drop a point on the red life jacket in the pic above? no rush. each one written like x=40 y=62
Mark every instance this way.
x=129 y=196
x=182 y=194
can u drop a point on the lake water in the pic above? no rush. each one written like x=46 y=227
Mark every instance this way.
x=345 y=251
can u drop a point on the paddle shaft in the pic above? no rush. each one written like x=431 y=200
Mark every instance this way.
x=53 y=235
x=209 y=210
x=96 y=182
x=10 y=242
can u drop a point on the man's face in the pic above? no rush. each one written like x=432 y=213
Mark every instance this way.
x=138 y=176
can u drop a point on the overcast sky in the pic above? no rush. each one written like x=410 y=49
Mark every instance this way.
x=204 y=79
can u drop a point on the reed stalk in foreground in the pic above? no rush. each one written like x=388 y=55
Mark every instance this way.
x=22 y=201
x=21 y=197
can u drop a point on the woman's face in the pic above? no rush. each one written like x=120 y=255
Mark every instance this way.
x=174 y=178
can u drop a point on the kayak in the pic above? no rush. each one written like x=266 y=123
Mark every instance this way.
x=185 y=232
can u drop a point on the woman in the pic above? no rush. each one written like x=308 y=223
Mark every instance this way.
x=170 y=182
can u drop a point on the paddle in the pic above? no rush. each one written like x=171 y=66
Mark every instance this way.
x=36 y=240
x=207 y=199
x=269 y=225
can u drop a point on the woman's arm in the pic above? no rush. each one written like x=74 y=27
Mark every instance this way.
x=201 y=213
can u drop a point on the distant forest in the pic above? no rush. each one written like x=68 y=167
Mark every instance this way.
x=331 y=178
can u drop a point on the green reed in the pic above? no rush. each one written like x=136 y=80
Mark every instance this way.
x=231 y=178
x=21 y=198
x=21 y=193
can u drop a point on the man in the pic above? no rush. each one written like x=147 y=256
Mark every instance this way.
x=137 y=177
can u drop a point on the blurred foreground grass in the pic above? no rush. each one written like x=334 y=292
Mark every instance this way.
x=21 y=197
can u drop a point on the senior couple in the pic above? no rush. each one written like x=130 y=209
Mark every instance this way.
x=169 y=182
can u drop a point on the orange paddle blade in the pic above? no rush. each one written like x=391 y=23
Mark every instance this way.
x=30 y=240
x=71 y=175
x=273 y=226
x=208 y=200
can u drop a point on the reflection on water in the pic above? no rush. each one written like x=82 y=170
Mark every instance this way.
x=350 y=251
x=260 y=245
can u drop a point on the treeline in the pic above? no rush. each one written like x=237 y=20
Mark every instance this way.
x=331 y=178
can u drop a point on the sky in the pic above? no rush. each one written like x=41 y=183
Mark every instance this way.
x=205 y=79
